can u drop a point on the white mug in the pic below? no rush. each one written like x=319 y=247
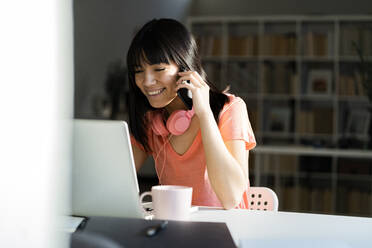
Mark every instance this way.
x=170 y=202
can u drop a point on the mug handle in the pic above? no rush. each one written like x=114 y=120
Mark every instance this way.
x=144 y=194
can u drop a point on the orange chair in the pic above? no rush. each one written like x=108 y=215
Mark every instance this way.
x=262 y=198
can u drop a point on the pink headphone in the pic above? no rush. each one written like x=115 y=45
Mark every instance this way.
x=177 y=123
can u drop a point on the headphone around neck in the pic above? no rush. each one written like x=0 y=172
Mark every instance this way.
x=178 y=122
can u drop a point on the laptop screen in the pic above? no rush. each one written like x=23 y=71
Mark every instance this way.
x=103 y=179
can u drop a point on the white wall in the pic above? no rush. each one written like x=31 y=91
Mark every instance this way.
x=36 y=81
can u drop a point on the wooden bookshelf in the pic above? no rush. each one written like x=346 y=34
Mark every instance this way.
x=300 y=79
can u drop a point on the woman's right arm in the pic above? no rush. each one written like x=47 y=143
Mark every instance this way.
x=139 y=157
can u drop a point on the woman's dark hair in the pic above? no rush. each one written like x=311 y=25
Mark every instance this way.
x=163 y=41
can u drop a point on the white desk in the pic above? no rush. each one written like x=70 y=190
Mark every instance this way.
x=246 y=225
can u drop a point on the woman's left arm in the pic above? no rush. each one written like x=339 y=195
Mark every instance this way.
x=227 y=163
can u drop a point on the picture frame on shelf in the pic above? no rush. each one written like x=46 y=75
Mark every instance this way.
x=279 y=119
x=319 y=82
x=358 y=124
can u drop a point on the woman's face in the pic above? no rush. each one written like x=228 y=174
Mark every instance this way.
x=157 y=82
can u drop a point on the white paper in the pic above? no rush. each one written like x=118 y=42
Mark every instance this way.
x=71 y=223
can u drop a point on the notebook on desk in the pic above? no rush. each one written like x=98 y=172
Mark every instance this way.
x=103 y=179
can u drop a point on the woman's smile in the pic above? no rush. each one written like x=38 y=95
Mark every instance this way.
x=153 y=93
x=157 y=82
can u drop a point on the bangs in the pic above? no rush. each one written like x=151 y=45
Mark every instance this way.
x=149 y=51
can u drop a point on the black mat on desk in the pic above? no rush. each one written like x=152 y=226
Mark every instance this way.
x=129 y=232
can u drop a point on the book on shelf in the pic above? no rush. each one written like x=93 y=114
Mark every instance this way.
x=278 y=78
x=304 y=199
x=282 y=163
x=213 y=71
x=354 y=167
x=323 y=120
x=269 y=165
x=209 y=45
x=365 y=203
x=243 y=77
x=346 y=86
x=267 y=77
x=318 y=44
x=281 y=74
x=342 y=199
x=321 y=200
x=217 y=46
x=292 y=50
x=294 y=83
x=327 y=203
x=354 y=201
x=287 y=164
x=351 y=85
x=288 y=198
x=317 y=199
x=305 y=122
x=243 y=45
x=316 y=120
x=279 y=44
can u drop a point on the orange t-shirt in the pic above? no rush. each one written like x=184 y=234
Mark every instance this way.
x=189 y=169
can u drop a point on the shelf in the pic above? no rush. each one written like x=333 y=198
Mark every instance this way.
x=354 y=59
x=242 y=58
x=277 y=134
x=212 y=58
x=278 y=96
x=298 y=74
x=317 y=59
x=318 y=97
x=320 y=59
x=315 y=135
x=278 y=58
x=363 y=99
x=299 y=61
x=315 y=175
x=311 y=151
x=353 y=177
x=319 y=175
x=249 y=96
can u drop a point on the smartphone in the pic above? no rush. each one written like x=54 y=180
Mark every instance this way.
x=183 y=94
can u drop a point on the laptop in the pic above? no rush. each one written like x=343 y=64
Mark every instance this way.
x=104 y=181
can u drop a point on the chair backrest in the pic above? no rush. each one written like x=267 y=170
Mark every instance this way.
x=262 y=198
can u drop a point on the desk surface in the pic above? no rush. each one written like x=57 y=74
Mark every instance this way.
x=117 y=232
x=243 y=224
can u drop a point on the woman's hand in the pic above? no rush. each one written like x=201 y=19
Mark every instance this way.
x=199 y=90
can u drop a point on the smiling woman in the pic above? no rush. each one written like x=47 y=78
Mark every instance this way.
x=205 y=147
